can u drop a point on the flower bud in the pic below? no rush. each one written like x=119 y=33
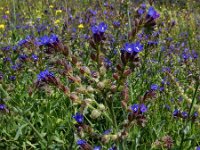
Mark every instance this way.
x=95 y=114
x=114 y=137
x=102 y=70
x=85 y=70
x=90 y=89
x=101 y=85
x=102 y=107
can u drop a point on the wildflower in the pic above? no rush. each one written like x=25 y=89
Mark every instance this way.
x=23 y=57
x=53 y=39
x=97 y=148
x=129 y=47
x=2 y=26
x=80 y=26
x=154 y=87
x=184 y=114
x=57 y=21
x=84 y=145
x=116 y=24
x=81 y=142
x=34 y=57
x=58 y=11
x=138 y=47
x=43 y=75
x=7 y=12
x=12 y=78
x=143 y=108
x=176 y=113
x=153 y=13
x=135 y=108
x=51 y=6
x=101 y=28
x=2 y=106
x=78 y=117
x=198 y=148
x=107 y=131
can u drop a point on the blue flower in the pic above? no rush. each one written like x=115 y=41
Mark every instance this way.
x=140 y=11
x=78 y=117
x=107 y=131
x=129 y=47
x=81 y=142
x=154 y=87
x=133 y=47
x=135 y=107
x=138 y=47
x=176 y=112
x=53 y=38
x=143 y=108
x=153 y=13
x=198 y=148
x=195 y=114
x=44 y=74
x=12 y=78
x=116 y=23
x=102 y=27
x=184 y=114
x=2 y=106
x=94 y=29
x=97 y=148
x=44 y=40
x=34 y=57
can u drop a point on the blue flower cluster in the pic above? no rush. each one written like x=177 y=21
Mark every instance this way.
x=43 y=75
x=153 y=13
x=101 y=28
x=133 y=47
x=142 y=108
x=47 y=40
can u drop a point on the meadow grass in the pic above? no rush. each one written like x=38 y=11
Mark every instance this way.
x=74 y=84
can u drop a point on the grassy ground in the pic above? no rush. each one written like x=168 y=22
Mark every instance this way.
x=93 y=77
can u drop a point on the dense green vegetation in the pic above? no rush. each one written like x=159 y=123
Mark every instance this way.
x=95 y=75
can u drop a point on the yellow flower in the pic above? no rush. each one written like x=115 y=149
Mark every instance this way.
x=51 y=6
x=7 y=12
x=57 y=21
x=2 y=26
x=58 y=11
x=81 y=26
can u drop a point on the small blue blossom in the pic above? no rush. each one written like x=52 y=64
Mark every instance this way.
x=2 y=106
x=135 y=107
x=143 y=108
x=97 y=148
x=81 y=142
x=140 y=11
x=44 y=40
x=101 y=28
x=107 y=131
x=138 y=47
x=44 y=74
x=153 y=13
x=34 y=57
x=176 y=112
x=116 y=24
x=78 y=117
x=198 y=148
x=129 y=47
x=12 y=78
x=154 y=87
x=184 y=114
x=94 y=29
